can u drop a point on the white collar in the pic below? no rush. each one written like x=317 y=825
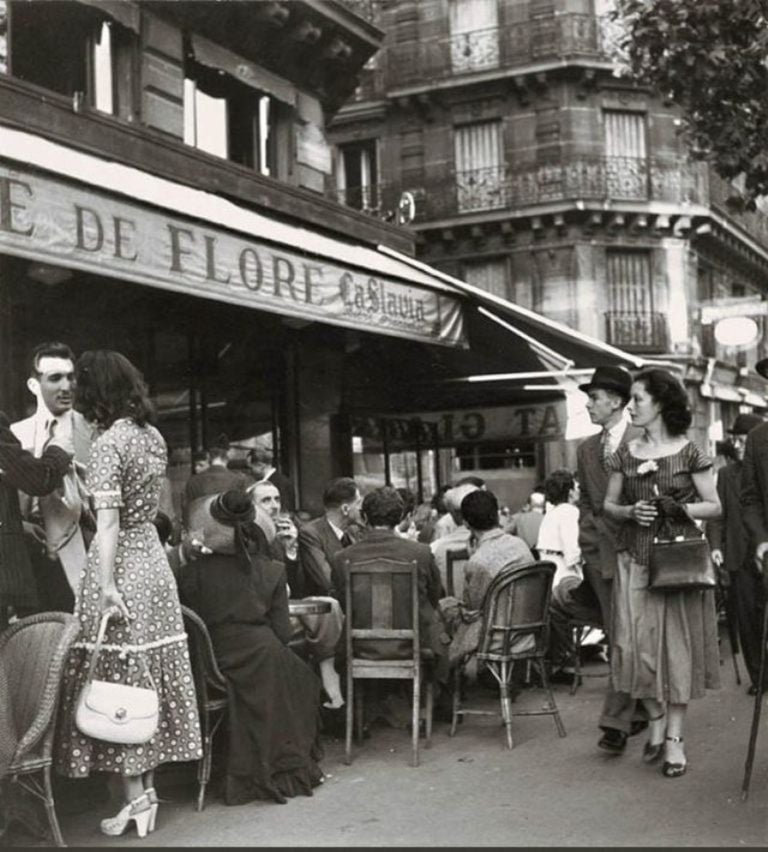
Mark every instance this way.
x=339 y=532
x=616 y=432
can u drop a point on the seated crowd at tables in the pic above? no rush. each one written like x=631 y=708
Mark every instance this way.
x=238 y=554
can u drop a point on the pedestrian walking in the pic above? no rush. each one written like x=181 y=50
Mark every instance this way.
x=663 y=644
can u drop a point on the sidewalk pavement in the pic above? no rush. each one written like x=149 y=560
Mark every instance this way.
x=472 y=791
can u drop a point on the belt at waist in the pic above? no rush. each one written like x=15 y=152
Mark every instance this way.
x=551 y=552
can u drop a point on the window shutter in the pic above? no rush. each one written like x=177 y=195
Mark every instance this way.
x=162 y=76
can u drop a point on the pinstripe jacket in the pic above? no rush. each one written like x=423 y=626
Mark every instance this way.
x=19 y=469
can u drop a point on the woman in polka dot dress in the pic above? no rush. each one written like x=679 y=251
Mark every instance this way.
x=127 y=569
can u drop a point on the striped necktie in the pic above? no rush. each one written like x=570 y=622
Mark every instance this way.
x=605 y=448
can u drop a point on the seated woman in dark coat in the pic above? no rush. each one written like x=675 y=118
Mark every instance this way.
x=274 y=696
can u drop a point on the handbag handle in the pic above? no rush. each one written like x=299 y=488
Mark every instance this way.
x=97 y=649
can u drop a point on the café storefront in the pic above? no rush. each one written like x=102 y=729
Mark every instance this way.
x=248 y=326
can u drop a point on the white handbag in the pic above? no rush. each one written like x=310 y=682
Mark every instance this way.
x=115 y=712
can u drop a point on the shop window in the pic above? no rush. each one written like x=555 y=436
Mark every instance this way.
x=67 y=48
x=229 y=120
x=480 y=171
x=489 y=275
x=358 y=174
x=496 y=455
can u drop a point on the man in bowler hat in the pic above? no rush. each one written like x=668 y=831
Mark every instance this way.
x=728 y=538
x=608 y=392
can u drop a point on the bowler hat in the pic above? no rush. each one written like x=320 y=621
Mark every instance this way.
x=615 y=379
x=762 y=368
x=744 y=422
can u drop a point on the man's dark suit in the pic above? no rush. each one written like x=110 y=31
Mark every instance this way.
x=19 y=469
x=754 y=505
x=318 y=544
x=591 y=600
x=385 y=544
x=730 y=535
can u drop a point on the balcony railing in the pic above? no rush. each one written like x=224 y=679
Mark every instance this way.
x=448 y=193
x=522 y=43
x=636 y=332
x=755 y=224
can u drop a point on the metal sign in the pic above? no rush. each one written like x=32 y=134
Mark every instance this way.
x=736 y=307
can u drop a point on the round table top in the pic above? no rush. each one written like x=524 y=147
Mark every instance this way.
x=308 y=607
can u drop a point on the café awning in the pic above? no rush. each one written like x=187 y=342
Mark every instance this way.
x=69 y=208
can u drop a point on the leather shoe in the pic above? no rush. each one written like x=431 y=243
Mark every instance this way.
x=612 y=740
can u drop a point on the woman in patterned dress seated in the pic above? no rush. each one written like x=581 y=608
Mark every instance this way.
x=127 y=572
x=663 y=644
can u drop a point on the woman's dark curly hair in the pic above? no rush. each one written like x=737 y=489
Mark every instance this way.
x=558 y=485
x=668 y=392
x=110 y=387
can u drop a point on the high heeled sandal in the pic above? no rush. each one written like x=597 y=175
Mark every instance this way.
x=138 y=810
x=653 y=751
x=673 y=770
x=154 y=801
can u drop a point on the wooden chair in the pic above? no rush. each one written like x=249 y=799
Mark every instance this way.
x=33 y=654
x=372 y=588
x=452 y=569
x=212 y=697
x=515 y=626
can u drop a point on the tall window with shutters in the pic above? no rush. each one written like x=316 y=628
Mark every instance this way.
x=632 y=321
x=626 y=157
x=474 y=41
x=480 y=170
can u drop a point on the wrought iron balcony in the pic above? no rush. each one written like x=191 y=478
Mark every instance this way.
x=448 y=193
x=514 y=45
x=636 y=332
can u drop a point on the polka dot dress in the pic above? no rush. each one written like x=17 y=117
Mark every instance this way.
x=125 y=471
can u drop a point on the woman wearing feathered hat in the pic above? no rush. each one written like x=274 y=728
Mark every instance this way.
x=274 y=696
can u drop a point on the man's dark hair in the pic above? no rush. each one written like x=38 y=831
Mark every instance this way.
x=480 y=510
x=200 y=456
x=383 y=507
x=477 y=481
x=341 y=490
x=558 y=486
x=53 y=349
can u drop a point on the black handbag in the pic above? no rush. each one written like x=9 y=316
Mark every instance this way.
x=679 y=564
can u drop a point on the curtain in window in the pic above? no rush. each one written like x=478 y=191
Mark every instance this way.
x=631 y=319
x=474 y=35
x=626 y=157
x=480 y=178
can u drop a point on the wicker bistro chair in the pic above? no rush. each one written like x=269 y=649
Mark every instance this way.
x=371 y=588
x=212 y=696
x=515 y=626
x=33 y=653
x=455 y=560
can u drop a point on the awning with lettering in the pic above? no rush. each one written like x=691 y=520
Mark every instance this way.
x=76 y=210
